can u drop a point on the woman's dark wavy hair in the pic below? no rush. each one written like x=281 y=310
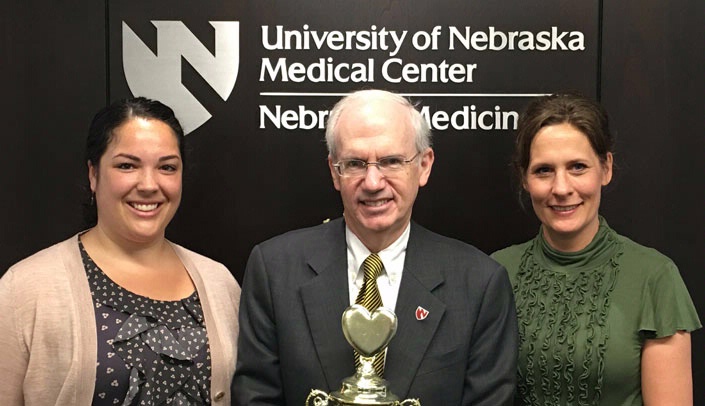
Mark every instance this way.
x=586 y=115
x=102 y=131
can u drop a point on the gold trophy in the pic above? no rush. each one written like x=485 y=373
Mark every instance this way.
x=369 y=334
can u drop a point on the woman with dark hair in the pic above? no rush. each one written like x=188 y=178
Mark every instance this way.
x=118 y=314
x=602 y=319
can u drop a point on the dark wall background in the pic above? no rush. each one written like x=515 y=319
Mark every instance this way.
x=53 y=78
x=54 y=69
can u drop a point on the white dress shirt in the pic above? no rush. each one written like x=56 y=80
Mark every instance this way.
x=393 y=259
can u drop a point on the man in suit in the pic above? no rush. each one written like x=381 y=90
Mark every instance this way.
x=456 y=341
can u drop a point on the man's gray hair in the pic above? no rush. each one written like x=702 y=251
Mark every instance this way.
x=422 y=132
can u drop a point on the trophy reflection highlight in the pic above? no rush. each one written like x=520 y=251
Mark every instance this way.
x=369 y=334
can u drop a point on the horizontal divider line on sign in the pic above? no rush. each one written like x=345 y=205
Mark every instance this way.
x=286 y=94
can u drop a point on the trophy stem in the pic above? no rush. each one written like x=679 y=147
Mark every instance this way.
x=367 y=368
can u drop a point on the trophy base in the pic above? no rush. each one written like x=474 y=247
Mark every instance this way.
x=364 y=390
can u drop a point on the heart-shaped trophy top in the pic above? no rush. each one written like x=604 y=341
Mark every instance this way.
x=369 y=334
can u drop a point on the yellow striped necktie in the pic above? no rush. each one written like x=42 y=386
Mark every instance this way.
x=370 y=298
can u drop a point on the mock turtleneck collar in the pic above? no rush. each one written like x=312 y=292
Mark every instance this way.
x=600 y=250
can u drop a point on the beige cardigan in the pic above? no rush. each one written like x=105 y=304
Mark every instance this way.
x=48 y=350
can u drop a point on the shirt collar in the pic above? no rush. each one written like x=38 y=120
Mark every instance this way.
x=392 y=256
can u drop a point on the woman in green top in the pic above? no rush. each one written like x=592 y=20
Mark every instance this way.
x=602 y=319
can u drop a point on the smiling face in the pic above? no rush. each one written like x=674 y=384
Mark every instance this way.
x=377 y=206
x=564 y=180
x=138 y=183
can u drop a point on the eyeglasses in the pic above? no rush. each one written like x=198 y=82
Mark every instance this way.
x=358 y=167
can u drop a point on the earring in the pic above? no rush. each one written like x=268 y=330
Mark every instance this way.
x=93 y=199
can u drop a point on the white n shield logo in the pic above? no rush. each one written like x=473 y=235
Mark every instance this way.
x=159 y=76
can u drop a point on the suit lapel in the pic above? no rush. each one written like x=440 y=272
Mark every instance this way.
x=420 y=278
x=325 y=297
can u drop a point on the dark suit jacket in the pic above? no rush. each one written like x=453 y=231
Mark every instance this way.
x=295 y=290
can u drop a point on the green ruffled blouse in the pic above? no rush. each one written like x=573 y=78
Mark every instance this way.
x=583 y=317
